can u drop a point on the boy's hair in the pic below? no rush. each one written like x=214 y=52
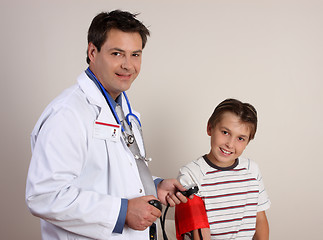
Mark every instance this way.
x=117 y=19
x=245 y=111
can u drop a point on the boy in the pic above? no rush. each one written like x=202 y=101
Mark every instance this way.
x=231 y=190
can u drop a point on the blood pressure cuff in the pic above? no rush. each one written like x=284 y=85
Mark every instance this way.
x=190 y=216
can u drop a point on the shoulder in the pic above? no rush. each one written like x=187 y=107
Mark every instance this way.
x=251 y=166
x=192 y=173
x=194 y=166
x=247 y=163
x=70 y=100
x=68 y=108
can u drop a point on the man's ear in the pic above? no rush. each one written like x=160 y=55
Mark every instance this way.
x=91 y=51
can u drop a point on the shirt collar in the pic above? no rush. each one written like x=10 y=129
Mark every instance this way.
x=236 y=162
x=113 y=102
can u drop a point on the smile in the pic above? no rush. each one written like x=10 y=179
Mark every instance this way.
x=225 y=151
x=123 y=75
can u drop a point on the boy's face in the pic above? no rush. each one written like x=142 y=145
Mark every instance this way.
x=229 y=139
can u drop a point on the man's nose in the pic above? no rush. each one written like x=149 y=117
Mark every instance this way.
x=126 y=63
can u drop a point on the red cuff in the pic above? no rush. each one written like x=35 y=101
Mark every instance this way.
x=190 y=216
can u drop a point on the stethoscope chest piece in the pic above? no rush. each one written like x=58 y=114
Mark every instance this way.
x=130 y=139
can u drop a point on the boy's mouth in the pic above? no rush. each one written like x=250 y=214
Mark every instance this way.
x=225 y=151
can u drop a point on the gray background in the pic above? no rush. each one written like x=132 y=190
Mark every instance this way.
x=268 y=53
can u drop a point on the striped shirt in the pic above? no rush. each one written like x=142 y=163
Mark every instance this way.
x=232 y=195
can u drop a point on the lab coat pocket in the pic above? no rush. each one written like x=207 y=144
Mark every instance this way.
x=106 y=131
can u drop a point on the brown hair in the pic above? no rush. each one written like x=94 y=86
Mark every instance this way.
x=117 y=19
x=245 y=111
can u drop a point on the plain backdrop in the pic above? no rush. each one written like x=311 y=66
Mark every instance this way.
x=266 y=52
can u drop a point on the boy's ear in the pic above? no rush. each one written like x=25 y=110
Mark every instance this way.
x=208 y=129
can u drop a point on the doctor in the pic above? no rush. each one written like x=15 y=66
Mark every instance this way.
x=84 y=180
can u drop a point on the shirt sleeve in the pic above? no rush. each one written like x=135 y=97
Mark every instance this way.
x=263 y=198
x=157 y=181
x=122 y=216
x=187 y=176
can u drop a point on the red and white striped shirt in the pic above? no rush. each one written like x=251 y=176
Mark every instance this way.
x=232 y=195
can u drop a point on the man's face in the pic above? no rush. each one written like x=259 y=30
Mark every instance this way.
x=229 y=139
x=118 y=63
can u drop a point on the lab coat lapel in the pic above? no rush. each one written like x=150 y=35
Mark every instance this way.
x=91 y=91
x=95 y=97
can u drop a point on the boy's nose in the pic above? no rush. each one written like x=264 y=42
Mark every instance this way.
x=230 y=143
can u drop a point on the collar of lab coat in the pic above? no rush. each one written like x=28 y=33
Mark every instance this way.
x=92 y=92
x=95 y=97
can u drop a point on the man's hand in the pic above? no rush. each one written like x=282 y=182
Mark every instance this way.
x=168 y=192
x=141 y=214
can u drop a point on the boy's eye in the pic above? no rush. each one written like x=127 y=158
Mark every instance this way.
x=241 y=139
x=225 y=132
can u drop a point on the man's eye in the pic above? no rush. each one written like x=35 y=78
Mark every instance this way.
x=116 y=54
x=136 y=55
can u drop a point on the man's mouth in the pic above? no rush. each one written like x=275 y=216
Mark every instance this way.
x=123 y=75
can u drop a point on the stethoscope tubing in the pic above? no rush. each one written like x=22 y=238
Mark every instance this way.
x=111 y=106
x=130 y=111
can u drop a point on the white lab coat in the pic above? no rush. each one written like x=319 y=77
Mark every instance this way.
x=76 y=180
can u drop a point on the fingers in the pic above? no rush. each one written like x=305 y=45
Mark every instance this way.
x=156 y=213
x=154 y=210
x=168 y=192
x=141 y=214
x=177 y=198
x=178 y=185
x=181 y=197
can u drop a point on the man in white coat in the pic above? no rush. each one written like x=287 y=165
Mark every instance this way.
x=83 y=180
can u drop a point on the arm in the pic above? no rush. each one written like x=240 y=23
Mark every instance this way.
x=262 y=227
x=53 y=191
x=205 y=232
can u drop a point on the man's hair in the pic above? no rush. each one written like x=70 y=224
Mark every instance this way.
x=245 y=111
x=117 y=19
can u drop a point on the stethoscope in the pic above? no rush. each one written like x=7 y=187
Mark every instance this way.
x=130 y=114
x=130 y=138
